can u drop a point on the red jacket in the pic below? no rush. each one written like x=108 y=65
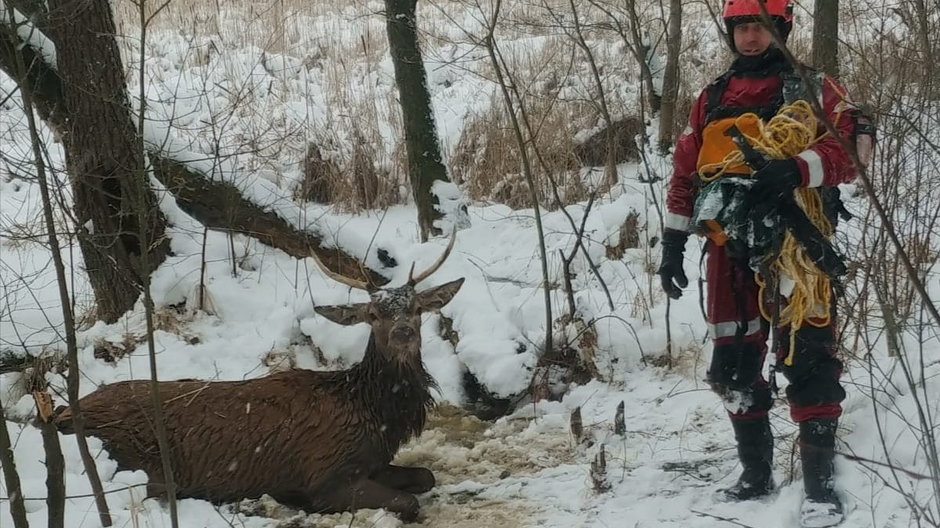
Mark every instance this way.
x=823 y=164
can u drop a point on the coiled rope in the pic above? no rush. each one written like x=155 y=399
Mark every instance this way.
x=790 y=132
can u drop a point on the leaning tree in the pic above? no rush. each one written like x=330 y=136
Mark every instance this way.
x=78 y=90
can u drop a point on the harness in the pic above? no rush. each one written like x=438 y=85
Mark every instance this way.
x=720 y=192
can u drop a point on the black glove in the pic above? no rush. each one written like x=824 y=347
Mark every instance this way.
x=670 y=271
x=774 y=180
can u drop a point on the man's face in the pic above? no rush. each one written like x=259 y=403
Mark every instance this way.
x=752 y=38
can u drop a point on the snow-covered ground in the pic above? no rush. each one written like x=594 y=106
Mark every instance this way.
x=523 y=470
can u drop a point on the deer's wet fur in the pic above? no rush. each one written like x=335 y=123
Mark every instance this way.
x=320 y=441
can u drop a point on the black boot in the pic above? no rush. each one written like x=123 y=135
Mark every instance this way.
x=822 y=506
x=756 y=451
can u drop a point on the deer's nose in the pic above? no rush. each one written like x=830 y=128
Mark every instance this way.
x=403 y=333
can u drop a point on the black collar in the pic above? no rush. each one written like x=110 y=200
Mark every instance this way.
x=770 y=63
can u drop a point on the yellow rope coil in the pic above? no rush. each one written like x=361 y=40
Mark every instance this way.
x=790 y=132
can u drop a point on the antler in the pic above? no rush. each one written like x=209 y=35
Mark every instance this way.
x=352 y=283
x=412 y=280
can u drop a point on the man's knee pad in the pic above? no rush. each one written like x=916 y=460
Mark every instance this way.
x=814 y=372
x=736 y=366
x=816 y=384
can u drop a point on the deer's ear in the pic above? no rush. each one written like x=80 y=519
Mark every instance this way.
x=345 y=315
x=438 y=296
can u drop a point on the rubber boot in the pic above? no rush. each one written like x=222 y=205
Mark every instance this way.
x=756 y=451
x=822 y=506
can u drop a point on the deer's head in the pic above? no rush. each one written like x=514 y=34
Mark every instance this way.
x=394 y=313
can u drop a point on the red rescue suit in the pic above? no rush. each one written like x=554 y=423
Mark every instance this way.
x=738 y=330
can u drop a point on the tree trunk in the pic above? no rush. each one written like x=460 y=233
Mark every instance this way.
x=826 y=36
x=927 y=46
x=103 y=158
x=10 y=477
x=671 y=76
x=219 y=205
x=421 y=144
x=55 y=471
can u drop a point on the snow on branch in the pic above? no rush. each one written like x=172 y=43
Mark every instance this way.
x=29 y=34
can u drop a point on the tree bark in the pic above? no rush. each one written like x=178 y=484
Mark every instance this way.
x=421 y=143
x=671 y=76
x=107 y=168
x=826 y=36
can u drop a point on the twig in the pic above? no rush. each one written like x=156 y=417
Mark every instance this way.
x=730 y=520
x=862 y=460
x=84 y=495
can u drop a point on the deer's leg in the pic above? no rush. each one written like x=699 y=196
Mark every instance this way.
x=410 y=479
x=367 y=493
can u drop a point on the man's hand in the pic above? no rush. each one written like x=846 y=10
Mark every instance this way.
x=774 y=180
x=670 y=271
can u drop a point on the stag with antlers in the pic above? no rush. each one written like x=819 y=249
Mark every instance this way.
x=321 y=441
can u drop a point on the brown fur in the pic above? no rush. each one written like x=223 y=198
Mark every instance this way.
x=322 y=441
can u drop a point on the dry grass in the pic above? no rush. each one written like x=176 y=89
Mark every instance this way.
x=628 y=237
x=361 y=165
x=352 y=182
x=487 y=160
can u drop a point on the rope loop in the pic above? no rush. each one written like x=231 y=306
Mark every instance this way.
x=793 y=130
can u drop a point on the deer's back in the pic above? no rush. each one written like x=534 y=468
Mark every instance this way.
x=231 y=440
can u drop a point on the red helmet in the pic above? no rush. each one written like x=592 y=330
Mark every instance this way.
x=738 y=11
x=775 y=8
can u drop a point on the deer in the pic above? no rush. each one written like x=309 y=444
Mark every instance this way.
x=321 y=441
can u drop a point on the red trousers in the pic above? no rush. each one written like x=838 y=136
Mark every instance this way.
x=739 y=333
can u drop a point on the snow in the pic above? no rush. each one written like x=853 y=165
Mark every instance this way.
x=207 y=94
x=29 y=33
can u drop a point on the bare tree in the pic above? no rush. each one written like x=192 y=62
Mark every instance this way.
x=638 y=42
x=10 y=477
x=421 y=143
x=215 y=203
x=600 y=100
x=927 y=26
x=671 y=76
x=68 y=316
x=143 y=212
x=826 y=36
x=87 y=104
x=507 y=88
x=55 y=461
